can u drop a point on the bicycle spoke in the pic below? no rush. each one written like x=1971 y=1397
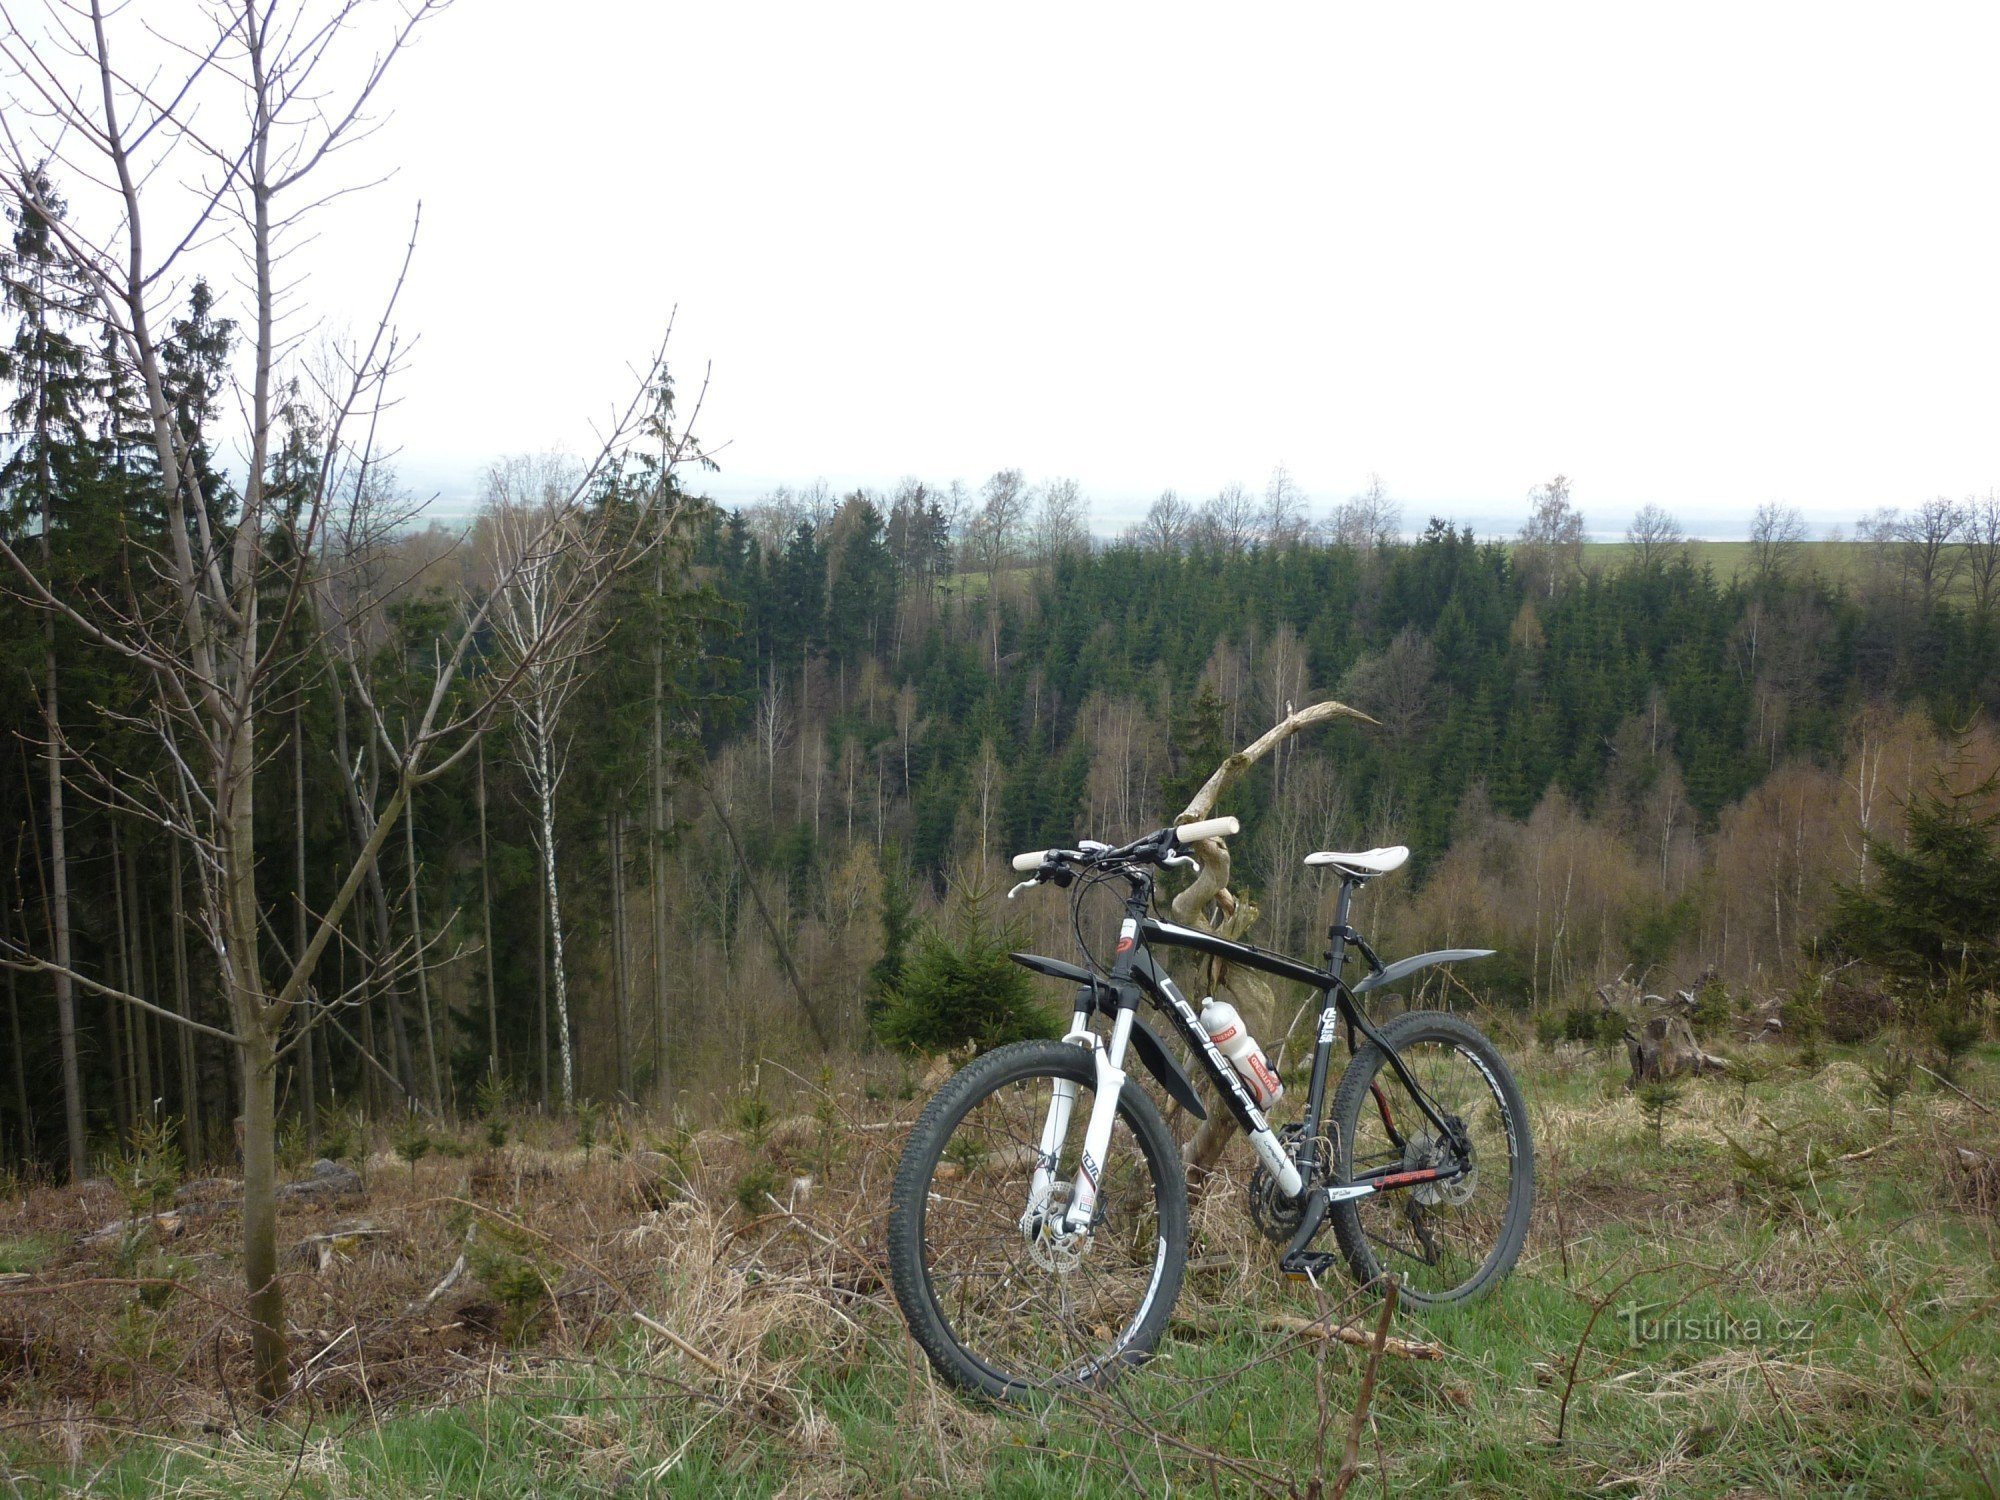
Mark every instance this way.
x=1024 y=1308
x=1435 y=1237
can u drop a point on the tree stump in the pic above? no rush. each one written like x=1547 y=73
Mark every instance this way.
x=1662 y=1048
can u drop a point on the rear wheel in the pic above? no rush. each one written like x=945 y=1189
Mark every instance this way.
x=1007 y=1310
x=1452 y=1239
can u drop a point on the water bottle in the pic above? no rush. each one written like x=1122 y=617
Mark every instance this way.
x=1232 y=1038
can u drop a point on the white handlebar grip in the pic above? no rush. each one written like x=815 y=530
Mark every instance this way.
x=1207 y=828
x=1029 y=862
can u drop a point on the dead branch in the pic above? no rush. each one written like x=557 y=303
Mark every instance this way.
x=28 y=963
x=1347 y=1333
x=1350 y=1462
x=1210 y=905
x=1976 y=1104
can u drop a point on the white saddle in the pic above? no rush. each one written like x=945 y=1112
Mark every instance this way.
x=1365 y=865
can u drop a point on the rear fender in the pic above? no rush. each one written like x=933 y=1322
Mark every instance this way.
x=1403 y=968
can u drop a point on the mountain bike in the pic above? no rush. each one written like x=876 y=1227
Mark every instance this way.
x=1038 y=1225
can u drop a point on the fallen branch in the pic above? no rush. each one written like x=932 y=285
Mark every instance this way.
x=1955 y=1089
x=322 y=1250
x=1348 y=1334
x=450 y=1277
x=1212 y=906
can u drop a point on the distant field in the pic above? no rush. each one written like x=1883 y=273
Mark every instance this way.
x=1844 y=561
x=1841 y=560
x=973 y=585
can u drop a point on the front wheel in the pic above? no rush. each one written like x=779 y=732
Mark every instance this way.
x=1000 y=1303
x=1451 y=1239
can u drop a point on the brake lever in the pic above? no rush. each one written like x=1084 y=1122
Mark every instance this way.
x=1028 y=884
x=1177 y=860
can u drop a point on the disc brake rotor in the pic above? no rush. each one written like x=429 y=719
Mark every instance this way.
x=1053 y=1247
x=1423 y=1152
x=1058 y=1250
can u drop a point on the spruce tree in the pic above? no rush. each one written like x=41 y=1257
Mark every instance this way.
x=1930 y=917
x=49 y=369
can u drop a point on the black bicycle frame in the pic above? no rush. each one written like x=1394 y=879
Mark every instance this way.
x=1134 y=972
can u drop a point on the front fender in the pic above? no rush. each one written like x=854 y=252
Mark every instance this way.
x=1161 y=1063
x=1055 y=968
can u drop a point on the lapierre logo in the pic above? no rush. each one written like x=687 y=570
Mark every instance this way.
x=1328 y=1018
x=1128 y=935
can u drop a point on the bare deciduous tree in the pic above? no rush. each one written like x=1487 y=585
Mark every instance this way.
x=996 y=528
x=1982 y=552
x=542 y=566
x=1370 y=518
x=1284 y=522
x=1654 y=537
x=1165 y=527
x=773 y=728
x=774 y=519
x=1926 y=541
x=1551 y=541
x=1777 y=534
x=250 y=121
x=1228 y=522
x=817 y=505
x=1062 y=522
x=1396 y=683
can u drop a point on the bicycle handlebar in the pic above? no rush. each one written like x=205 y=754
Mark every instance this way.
x=1187 y=833
x=1207 y=828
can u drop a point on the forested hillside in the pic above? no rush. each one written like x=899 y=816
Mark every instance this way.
x=706 y=820
x=810 y=723
x=1595 y=764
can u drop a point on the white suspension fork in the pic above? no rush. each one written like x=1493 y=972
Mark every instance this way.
x=1055 y=1125
x=1103 y=1115
x=1054 y=1128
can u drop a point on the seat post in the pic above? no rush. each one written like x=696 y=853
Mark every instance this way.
x=1336 y=935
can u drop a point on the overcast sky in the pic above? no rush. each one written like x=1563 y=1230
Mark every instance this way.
x=1704 y=256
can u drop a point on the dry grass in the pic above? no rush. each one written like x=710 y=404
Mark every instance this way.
x=622 y=1318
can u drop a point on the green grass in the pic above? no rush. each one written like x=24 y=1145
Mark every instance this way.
x=974 y=584
x=1838 y=1337
x=26 y=1254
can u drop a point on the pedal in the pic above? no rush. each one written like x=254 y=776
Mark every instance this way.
x=1308 y=1265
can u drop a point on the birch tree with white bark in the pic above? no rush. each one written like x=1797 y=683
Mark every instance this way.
x=541 y=569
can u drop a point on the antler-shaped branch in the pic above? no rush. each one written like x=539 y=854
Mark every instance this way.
x=1211 y=905
x=1212 y=885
